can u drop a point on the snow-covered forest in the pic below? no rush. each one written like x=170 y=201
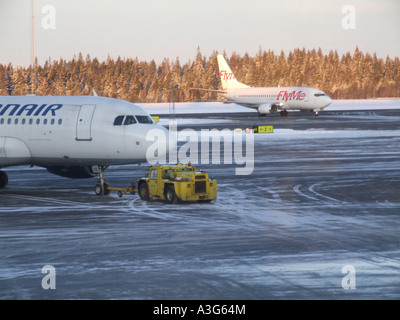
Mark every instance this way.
x=354 y=75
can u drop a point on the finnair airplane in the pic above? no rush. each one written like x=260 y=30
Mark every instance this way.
x=269 y=99
x=74 y=137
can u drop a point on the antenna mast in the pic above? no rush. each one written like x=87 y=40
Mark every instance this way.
x=33 y=46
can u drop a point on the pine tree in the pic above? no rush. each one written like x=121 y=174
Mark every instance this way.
x=3 y=81
x=20 y=82
x=351 y=76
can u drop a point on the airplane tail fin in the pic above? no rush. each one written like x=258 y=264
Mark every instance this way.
x=228 y=79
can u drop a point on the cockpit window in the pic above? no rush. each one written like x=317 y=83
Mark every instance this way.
x=129 y=120
x=118 y=120
x=144 y=119
x=319 y=94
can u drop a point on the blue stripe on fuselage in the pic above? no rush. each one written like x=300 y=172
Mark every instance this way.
x=15 y=109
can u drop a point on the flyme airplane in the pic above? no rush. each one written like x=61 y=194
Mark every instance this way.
x=72 y=136
x=269 y=99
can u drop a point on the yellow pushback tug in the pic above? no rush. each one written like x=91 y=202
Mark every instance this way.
x=171 y=183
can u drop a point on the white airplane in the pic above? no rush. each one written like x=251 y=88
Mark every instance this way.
x=269 y=99
x=74 y=137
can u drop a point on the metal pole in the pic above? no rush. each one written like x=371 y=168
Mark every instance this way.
x=34 y=46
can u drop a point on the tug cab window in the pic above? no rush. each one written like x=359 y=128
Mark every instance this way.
x=153 y=174
x=166 y=174
x=118 y=120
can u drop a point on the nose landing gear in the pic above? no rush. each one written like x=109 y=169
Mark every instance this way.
x=101 y=188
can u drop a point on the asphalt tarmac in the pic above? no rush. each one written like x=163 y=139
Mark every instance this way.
x=318 y=218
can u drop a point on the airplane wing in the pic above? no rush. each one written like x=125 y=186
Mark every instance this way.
x=209 y=90
x=262 y=108
x=244 y=104
x=211 y=100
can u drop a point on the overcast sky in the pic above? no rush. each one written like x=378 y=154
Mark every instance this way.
x=154 y=29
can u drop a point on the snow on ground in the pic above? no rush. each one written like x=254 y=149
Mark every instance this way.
x=364 y=104
x=193 y=107
x=220 y=107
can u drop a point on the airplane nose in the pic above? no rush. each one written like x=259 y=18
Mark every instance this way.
x=326 y=101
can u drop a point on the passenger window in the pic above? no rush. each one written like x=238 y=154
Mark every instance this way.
x=144 y=119
x=129 y=120
x=118 y=120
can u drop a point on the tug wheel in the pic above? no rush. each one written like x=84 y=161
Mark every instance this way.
x=170 y=195
x=144 y=191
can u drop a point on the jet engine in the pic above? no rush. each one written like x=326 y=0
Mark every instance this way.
x=76 y=172
x=267 y=108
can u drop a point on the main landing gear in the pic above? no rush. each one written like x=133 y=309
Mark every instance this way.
x=3 y=179
x=101 y=188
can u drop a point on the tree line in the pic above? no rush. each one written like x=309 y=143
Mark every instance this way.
x=350 y=76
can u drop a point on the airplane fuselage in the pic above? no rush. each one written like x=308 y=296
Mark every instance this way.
x=72 y=131
x=285 y=98
x=270 y=99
